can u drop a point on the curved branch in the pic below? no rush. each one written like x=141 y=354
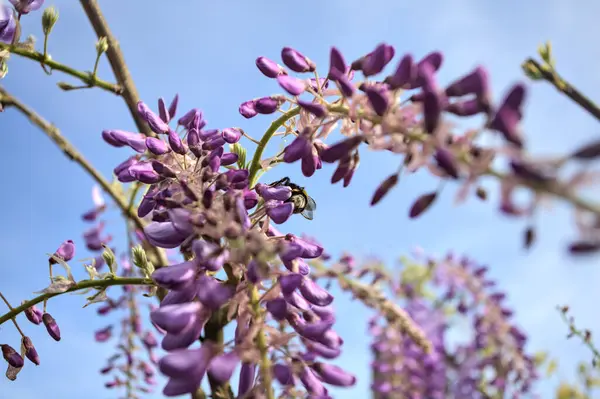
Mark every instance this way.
x=85 y=77
x=84 y=284
x=71 y=152
x=117 y=62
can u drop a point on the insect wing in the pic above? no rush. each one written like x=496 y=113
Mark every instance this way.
x=307 y=213
x=311 y=205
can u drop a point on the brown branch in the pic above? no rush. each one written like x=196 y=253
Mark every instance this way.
x=71 y=152
x=117 y=62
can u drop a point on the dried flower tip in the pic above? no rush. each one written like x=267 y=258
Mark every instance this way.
x=422 y=204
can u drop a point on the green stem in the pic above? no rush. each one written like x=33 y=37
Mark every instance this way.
x=85 y=77
x=550 y=75
x=78 y=286
x=45 y=55
x=255 y=164
x=261 y=342
x=96 y=63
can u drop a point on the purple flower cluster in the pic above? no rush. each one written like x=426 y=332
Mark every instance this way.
x=372 y=112
x=94 y=238
x=130 y=370
x=203 y=210
x=490 y=362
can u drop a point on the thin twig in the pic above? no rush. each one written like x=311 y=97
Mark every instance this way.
x=13 y=319
x=78 y=286
x=85 y=77
x=67 y=148
x=117 y=62
x=550 y=75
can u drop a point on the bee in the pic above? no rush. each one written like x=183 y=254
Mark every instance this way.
x=303 y=203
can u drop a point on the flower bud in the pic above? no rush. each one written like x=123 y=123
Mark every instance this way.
x=248 y=109
x=422 y=204
x=11 y=356
x=66 y=251
x=232 y=135
x=157 y=146
x=296 y=61
x=384 y=188
x=33 y=314
x=51 y=326
x=109 y=257
x=269 y=68
x=336 y=63
x=30 y=351
x=102 y=45
x=292 y=85
x=318 y=110
x=49 y=18
x=267 y=105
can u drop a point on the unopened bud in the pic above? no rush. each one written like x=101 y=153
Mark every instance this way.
x=49 y=18
x=139 y=257
x=29 y=349
x=33 y=314
x=545 y=51
x=531 y=70
x=11 y=356
x=109 y=257
x=51 y=326
x=102 y=45
x=66 y=86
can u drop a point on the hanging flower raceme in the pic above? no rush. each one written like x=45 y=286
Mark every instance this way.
x=197 y=206
x=492 y=352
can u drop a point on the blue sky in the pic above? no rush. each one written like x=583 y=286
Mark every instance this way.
x=205 y=51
